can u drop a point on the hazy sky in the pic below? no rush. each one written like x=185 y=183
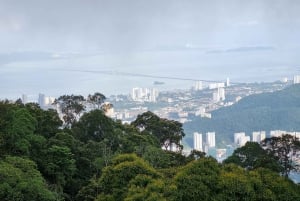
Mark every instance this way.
x=115 y=25
x=148 y=36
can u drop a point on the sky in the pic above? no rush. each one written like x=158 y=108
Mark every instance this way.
x=44 y=41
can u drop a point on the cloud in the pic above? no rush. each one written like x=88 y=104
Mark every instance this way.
x=248 y=23
x=242 y=49
x=24 y=56
x=11 y=24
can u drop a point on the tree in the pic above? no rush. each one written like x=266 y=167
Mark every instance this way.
x=157 y=157
x=144 y=187
x=94 y=126
x=234 y=184
x=198 y=180
x=166 y=131
x=283 y=149
x=48 y=121
x=20 y=131
x=59 y=166
x=20 y=180
x=113 y=183
x=106 y=107
x=71 y=106
x=195 y=154
x=269 y=186
x=252 y=156
x=97 y=99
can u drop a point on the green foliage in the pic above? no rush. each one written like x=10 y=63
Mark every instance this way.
x=166 y=131
x=71 y=106
x=198 y=180
x=252 y=156
x=20 y=180
x=269 y=186
x=283 y=149
x=97 y=99
x=48 y=121
x=145 y=188
x=60 y=166
x=115 y=178
x=156 y=157
x=234 y=185
x=41 y=161
x=19 y=132
x=93 y=126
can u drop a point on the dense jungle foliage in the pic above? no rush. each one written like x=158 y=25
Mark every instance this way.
x=94 y=157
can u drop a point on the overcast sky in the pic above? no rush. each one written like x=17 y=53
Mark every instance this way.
x=113 y=25
x=135 y=33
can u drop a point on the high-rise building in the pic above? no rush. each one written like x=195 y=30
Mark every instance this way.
x=211 y=139
x=144 y=94
x=240 y=139
x=216 y=97
x=219 y=95
x=227 y=82
x=41 y=100
x=244 y=140
x=24 y=99
x=198 y=86
x=237 y=137
x=135 y=93
x=296 y=79
x=258 y=136
x=198 y=141
x=277 y=133
x=221 y=92
x=153 y=95
x=216 y=85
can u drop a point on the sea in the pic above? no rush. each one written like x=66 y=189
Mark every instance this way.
x=118 y=73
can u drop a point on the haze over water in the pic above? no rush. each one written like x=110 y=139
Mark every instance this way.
x=44 y=44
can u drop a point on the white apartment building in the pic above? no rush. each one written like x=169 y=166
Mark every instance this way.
x=258 y=136
x=296 y=79
x=244 y=140
x=240 y=139
x=219 y=95
x=216 y=85
x=144 y=94
x=198 y=141
x=198 y=86
x=211 y=139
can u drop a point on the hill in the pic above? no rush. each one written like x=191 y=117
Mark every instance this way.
x=279 y=110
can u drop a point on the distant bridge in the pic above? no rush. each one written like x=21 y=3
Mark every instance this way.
x=118 y=73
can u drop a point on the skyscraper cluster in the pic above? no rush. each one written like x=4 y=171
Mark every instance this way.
x=144 y=94
x=209 y=143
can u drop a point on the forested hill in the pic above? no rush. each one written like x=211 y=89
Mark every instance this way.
x=267 y=111
x=95 y=158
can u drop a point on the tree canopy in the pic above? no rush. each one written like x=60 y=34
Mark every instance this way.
x=98 y=158
x=167 y=131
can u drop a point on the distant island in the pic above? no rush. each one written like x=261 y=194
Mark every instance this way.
x=158 y=83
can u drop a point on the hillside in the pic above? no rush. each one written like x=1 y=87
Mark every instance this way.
x=96 y=158
x=267 y=111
